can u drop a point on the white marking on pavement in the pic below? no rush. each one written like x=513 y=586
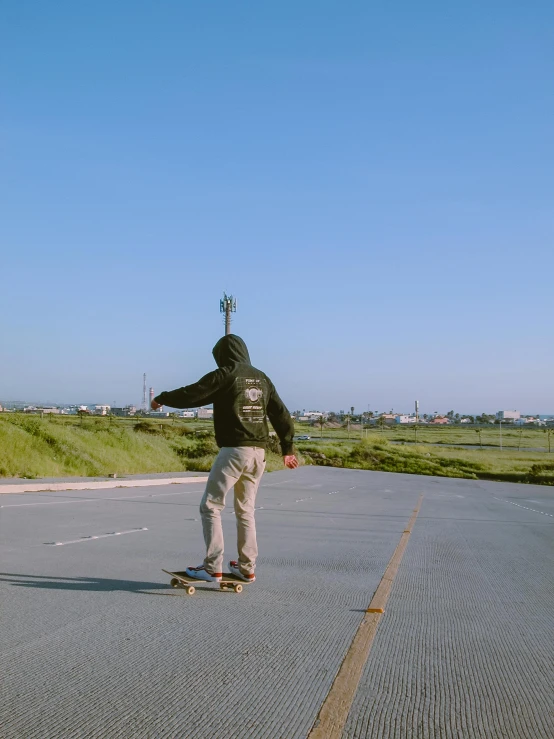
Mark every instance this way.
x=524 y=506
x=90 y=538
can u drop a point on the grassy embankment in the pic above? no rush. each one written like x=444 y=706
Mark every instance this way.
x=53 y=446
x=421 y=459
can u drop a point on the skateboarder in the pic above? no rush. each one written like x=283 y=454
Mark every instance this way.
x=243 y=398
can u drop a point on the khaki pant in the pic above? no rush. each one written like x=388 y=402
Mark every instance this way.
x=243 y=467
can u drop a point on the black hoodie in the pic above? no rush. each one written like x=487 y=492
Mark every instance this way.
x=243 y=398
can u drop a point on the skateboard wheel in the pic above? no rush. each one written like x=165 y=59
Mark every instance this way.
x=174 y=582
x=238 y=588
x=191 y=590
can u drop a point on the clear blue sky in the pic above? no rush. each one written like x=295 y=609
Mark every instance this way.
x=373 y=181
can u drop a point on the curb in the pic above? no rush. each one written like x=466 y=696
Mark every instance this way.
x=45 y=487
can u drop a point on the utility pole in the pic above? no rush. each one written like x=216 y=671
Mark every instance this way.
x=416 y=418
x=144 y=393
x=227 y=305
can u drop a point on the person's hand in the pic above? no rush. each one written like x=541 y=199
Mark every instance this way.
x=290 y=461
x=154 y=405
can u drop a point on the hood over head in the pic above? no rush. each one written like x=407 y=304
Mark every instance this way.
x=230 y=349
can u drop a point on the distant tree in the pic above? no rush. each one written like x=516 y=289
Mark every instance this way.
x=321 y=421
x=347 y=423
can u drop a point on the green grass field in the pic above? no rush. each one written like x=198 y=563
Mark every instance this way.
x=512 y=437
x=58 y=446
x=392 y=449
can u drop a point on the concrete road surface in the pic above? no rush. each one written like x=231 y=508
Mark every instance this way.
x=94 y=642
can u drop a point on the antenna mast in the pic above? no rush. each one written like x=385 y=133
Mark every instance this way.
x=228 y=305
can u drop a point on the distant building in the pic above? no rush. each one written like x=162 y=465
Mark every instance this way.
x=529 y=420
x=128 y=410
x=101 y=410
x=508 y=415
x=465 y=420
x=187 y=414
x=440 y=421
x=44 y=409
x=405 y=419
x=205 y=413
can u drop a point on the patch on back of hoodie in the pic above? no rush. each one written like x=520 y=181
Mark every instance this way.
x=252 y=392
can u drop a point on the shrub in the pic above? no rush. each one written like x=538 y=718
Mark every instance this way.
x=202 y=448
x=542 y=473
x=144 y=427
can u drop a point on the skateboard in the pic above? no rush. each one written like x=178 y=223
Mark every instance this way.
x=182 y=580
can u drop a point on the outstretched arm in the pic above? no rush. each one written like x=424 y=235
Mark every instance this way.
x=193 y=396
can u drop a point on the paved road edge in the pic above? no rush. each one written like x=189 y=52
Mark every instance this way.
x=45 y=487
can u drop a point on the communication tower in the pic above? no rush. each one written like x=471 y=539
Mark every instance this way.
x=228 y=305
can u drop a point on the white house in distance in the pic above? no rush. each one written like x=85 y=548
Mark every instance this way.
x=508 y=416
x=405 y=419
x=205 y=413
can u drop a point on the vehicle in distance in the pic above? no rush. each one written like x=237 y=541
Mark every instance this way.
x=303 y=438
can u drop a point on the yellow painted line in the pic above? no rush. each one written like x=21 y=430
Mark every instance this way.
x=333 y=714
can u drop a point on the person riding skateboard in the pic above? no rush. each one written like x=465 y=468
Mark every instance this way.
x=243 y=398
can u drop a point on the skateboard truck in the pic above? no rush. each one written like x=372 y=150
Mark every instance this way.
x=182 y=580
